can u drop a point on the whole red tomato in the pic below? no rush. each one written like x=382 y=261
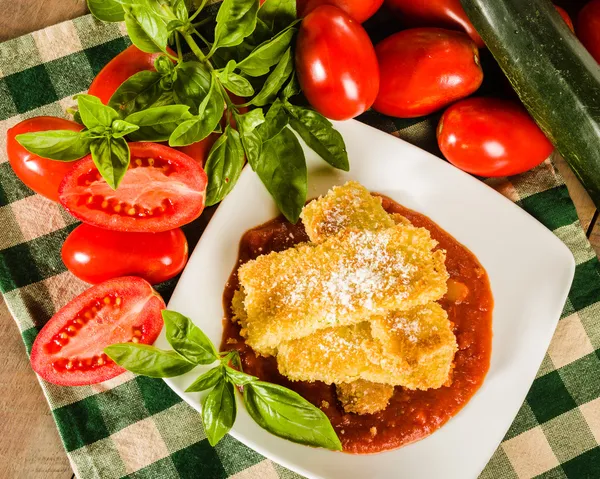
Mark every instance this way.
x=95 y=254
x=565 y=17
x=41 y=174
x=491 y=137
x=588 y=28
x=359 y=10
x=336 y=64
x=129 y=62
x=435 y=13
x=424 y=69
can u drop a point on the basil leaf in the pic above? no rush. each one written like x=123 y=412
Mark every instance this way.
x=218 y=411
x=239 y=378
x=275 y=80
x=247 y=122
x=318 y=133
x=224 y=165
x=235 y=359
x=94 y=113
x=267 y=54
x=251 y=140
x=277 y=14
x=164 y=65
x=287 y=414
x=180 y=9
x=148 y=361
x=121 y=128
x=260 y=34
x=292 y=88
x=111 y=157
x=236 y=84
x=275 y=121
x=146 y=28
x=192 y=86
x=236 y=20
x=157 y=123
x=188 y=340
x=174 y=25
x=106 y=10
x=210 y=112
x=281 y=167
x=75 y=113
x=139 y=91
x=208 y=380
x=62 y=145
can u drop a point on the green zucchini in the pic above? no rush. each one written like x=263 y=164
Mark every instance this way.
x=555 y=77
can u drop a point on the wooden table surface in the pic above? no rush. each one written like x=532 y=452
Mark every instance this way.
x=30 y=447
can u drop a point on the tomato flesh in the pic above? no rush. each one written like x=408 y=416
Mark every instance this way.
x=40 y=174
x=95 y=254
x=162 y=190
x=336 y=64
x=424 y=69
x=69 y=350
x=588 y=28
x=435 y=13
x=359 y=10
x=491 y=137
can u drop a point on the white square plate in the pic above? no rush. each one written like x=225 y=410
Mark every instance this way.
x=530 y=271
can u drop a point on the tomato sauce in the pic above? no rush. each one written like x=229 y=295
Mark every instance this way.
x=410 y=415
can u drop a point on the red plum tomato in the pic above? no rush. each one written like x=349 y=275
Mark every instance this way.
x=95 y=254
x=435 y=13
x=424 y=69
x=336 y=64
x=491 y=137
x=359 y=10
x=40 y=174
x=588 y=28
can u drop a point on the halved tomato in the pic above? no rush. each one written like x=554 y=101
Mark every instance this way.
x=69 y=350
x=163 y=189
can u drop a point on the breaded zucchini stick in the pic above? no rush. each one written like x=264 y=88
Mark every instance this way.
x=342 y=281
x=413 y=349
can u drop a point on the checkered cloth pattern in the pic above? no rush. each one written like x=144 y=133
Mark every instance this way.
x=134 y=426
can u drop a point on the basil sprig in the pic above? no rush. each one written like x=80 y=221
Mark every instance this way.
x=279 y=410
x=104 y=135
x=248 y=51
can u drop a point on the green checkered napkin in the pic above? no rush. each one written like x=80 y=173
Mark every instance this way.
x=137 y=427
